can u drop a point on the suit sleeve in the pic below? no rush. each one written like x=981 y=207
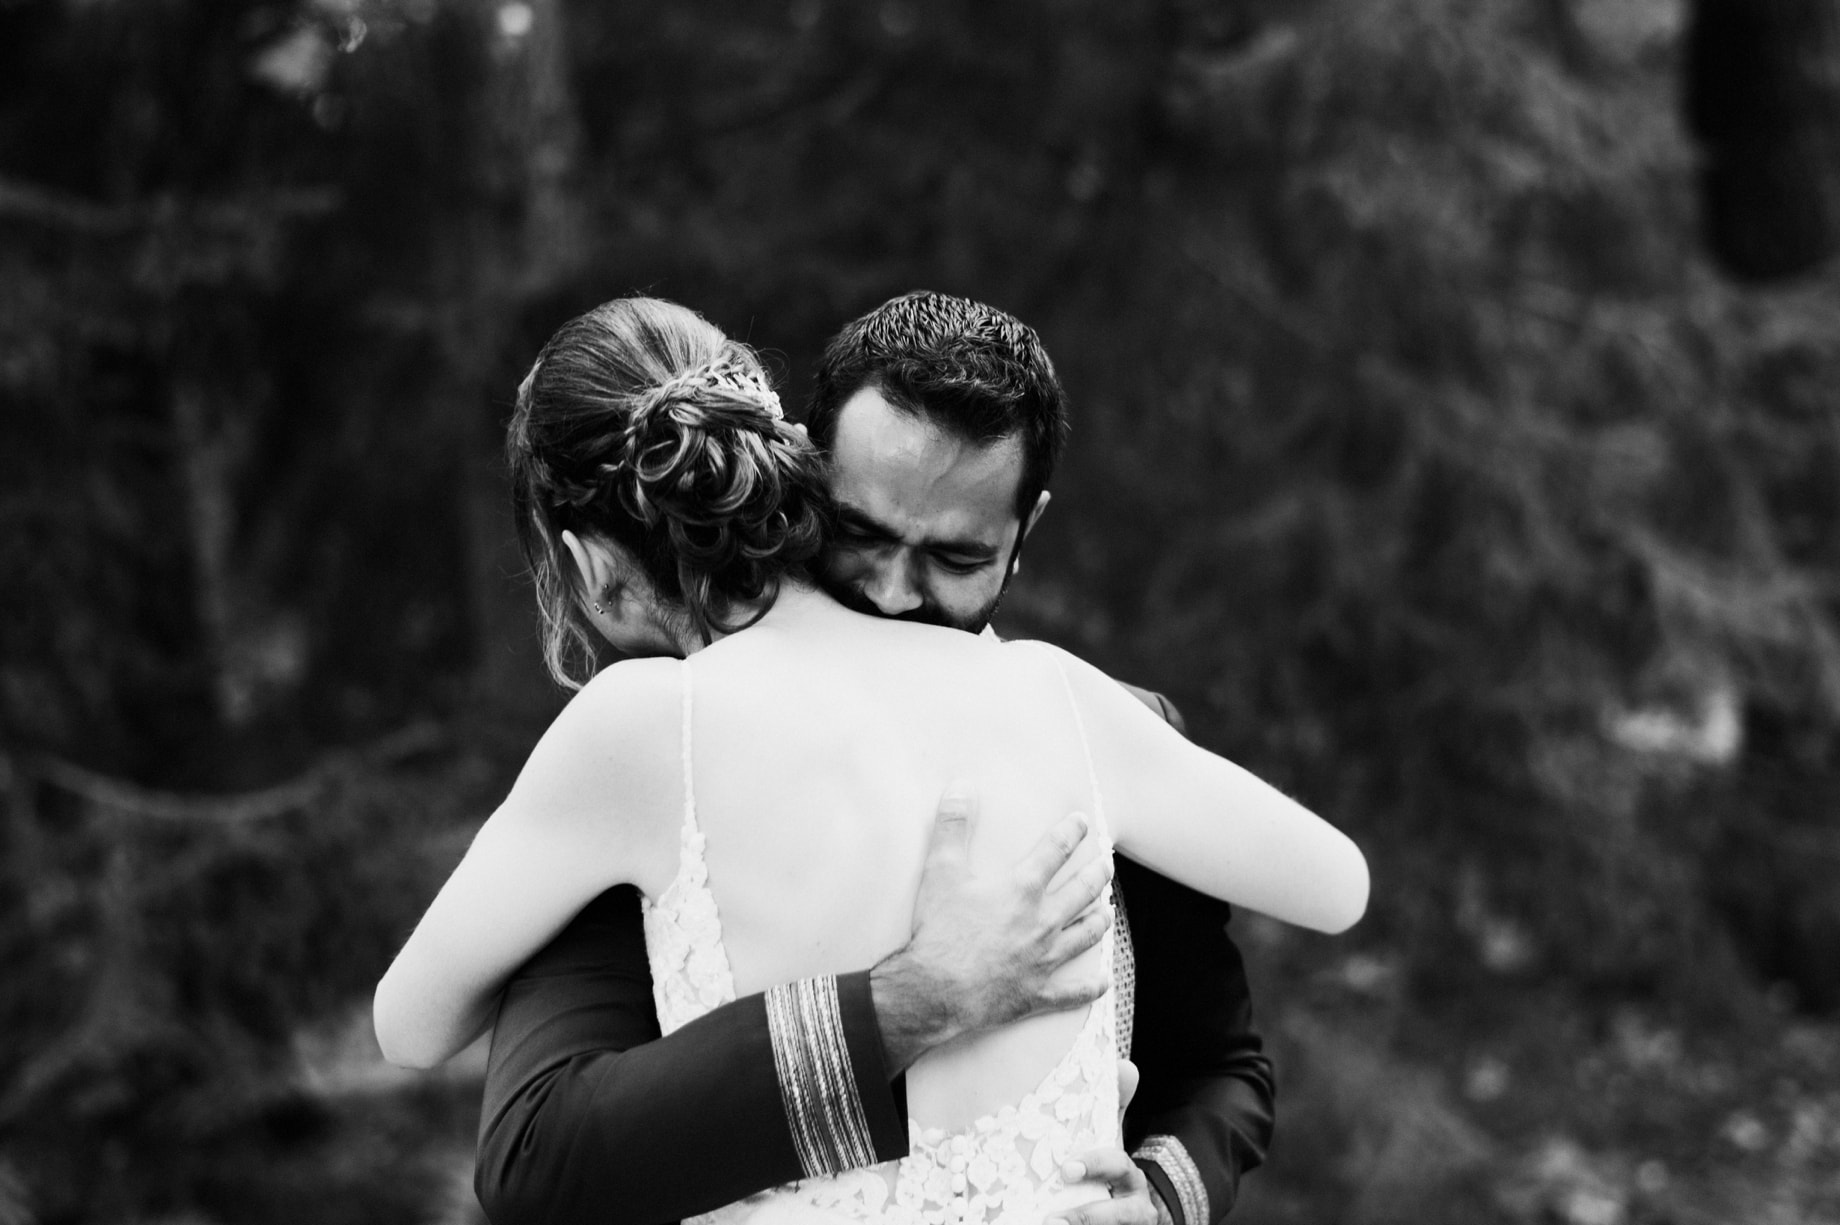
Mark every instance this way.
x=590 y=1115
x=1206 y=1100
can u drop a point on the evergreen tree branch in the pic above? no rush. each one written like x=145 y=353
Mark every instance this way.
x=30 y=202
x=263 y=804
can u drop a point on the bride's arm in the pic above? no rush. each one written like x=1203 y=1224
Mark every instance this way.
x=580 y=819
x=1199 y=819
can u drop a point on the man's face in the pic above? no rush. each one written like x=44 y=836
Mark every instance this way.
x=927 y=525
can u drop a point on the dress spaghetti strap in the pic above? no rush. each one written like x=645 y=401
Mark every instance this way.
x=683 y=928
x=688 y=703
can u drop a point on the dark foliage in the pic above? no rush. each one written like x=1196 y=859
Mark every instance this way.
x=1419 y=453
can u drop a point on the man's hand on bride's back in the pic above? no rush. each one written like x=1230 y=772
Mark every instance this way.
x=991 y=948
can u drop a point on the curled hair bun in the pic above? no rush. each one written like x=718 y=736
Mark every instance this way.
x=732 y=492
x=642 y=423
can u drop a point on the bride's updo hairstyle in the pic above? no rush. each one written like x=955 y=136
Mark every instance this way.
x=642 y=423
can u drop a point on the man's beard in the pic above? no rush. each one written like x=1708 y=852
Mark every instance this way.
x=928 y=613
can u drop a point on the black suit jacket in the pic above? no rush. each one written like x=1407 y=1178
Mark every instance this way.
x=590 y=1115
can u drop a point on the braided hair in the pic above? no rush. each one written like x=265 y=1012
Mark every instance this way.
x=978 y=372
x=642 y=423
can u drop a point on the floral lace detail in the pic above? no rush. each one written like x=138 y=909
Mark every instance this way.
x=1003 y=1170
x=1006 y=1167
x=683 y=930
x=683 y=940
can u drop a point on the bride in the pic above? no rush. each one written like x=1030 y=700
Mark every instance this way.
x=764 y=771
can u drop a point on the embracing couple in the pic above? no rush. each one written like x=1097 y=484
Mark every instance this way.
x=877 y=967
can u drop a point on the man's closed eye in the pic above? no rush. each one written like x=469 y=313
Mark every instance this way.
x=961 y=565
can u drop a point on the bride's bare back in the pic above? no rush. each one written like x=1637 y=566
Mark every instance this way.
x=818 y=759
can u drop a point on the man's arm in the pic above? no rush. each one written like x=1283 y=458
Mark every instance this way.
x=589 y=1114
x=1206 y=1099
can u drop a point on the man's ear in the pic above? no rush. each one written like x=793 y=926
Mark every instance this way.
x=1028 y=525
x=1041 y=504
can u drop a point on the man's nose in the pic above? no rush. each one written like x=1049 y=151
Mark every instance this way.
x=891 y=588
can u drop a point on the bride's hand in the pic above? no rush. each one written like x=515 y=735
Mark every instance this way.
x=1133 y=1201
x=986 y=949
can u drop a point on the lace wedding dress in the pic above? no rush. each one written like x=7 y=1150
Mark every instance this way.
x=1004 y=1169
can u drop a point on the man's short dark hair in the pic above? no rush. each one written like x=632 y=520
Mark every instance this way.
x=971 y=369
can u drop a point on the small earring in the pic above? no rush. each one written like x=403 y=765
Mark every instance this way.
x=599 y=611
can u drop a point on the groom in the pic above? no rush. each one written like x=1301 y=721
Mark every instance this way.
x=943 y=419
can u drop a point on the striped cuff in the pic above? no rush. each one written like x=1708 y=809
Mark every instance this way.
x=1184 y=1178
x=816 y=1082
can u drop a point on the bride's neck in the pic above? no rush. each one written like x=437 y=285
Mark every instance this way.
x=797 y=601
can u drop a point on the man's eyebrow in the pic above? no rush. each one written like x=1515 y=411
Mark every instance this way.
x=865 y=524
x=974 y=549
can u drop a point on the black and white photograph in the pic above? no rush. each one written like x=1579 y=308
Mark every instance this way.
x=1025 y=612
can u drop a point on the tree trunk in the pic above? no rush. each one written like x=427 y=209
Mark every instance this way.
x=493 y=267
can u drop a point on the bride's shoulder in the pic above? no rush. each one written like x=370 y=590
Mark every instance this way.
x=1047 y=667
x=611 y=740
x=634 y=680
x=623 y=709
x=632 y=690
x=1034 y=652
x=1090 y=686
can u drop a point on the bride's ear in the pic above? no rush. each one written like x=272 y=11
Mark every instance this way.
x=597 y=569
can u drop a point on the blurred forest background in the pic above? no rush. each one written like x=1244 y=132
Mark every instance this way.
x=1422 y=455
